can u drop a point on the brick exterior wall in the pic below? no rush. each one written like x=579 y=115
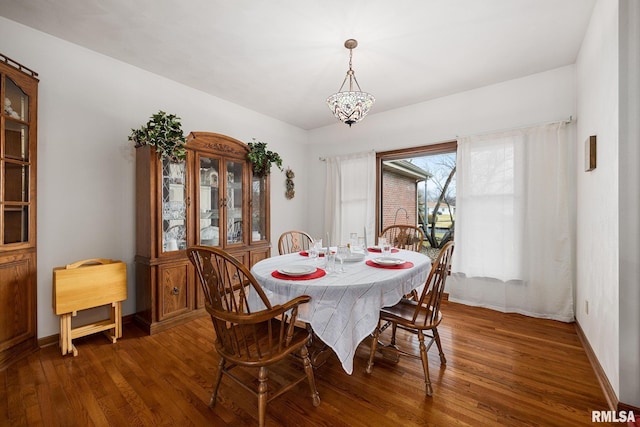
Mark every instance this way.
x=398 y=192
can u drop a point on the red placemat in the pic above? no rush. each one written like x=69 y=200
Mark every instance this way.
x=407 y=264
x=393 y=250
x=305 y=253
x=318 y=273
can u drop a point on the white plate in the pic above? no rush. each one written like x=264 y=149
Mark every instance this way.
x=355 y=257
x=296 y=270
x=388 y=261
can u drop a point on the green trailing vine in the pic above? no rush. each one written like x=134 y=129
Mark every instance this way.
x=262 y=159
x=164 y=132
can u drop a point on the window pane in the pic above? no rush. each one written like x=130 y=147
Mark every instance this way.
x=258 y=210
x=174 y=208
x=420 y=190
x=16 y=141
x=16 y=180
x=209 y=184
x=234 y=202
x=16 y=224
x=16 y=103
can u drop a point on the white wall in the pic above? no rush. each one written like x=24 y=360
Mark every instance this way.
x=629 y=201
x=539 y=98
x=88 y=104
x=597 y=254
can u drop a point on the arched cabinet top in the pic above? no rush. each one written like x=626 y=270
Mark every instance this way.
x=217 y=142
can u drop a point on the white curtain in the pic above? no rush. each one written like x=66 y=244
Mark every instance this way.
x=350 y=196
x=514 y=250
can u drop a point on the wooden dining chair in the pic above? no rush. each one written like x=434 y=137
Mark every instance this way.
x=420 y=317
x=294 y=241
x=404 y=236
x=248 y=338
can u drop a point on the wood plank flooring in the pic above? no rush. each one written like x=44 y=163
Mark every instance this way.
x=502 y=370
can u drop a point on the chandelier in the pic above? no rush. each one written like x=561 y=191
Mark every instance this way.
x=350 y=106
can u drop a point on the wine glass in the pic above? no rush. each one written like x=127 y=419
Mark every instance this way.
x=353 y=241
x=341 y=254
x=330 y=261
x=314 y=250
x=313 y=254
x=386 y=248
x=381 y=242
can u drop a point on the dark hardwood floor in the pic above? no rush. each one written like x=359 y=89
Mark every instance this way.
x=503 y=369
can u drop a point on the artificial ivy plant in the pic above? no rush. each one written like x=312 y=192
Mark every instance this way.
x=262 y=159
x=164 y=132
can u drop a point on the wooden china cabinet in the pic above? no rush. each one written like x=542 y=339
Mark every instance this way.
x=211 y=198
x=18 y=304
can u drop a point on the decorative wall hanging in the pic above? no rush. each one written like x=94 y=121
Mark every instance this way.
x=290 y=192
x=590 y=149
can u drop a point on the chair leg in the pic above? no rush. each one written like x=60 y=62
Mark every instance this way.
x=262 y=395
x=425 y=364
x=308 y=369
x=436 y=336
x=394 y=328
x=374 y=344
x=216 y=383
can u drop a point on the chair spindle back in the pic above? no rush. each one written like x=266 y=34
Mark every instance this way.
x=294 y=241
x=243 y=334
x=434 y=288
x=404 y=236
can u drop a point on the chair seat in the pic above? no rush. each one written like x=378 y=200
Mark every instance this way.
x=270 y=350
x=402 y=313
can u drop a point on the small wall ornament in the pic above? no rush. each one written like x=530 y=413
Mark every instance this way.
x=290 y=192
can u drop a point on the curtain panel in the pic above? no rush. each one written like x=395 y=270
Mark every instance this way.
x=514 y=235
x=350 y=196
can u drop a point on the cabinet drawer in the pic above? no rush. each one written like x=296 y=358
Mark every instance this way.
x=173 y=290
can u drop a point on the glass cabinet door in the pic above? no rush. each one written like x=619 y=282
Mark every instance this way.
x=258 y=209
x=15 y=165
x=233 y=202
x=209 y=187
x=174 y=207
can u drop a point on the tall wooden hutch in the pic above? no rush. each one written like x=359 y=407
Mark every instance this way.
x=18 y=284
x=211 y=198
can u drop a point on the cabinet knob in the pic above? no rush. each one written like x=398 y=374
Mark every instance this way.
x=175 y=290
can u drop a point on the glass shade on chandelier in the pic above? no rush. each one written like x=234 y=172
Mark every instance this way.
x=350 y=106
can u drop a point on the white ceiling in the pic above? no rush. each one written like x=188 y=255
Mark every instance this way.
x=284 y=57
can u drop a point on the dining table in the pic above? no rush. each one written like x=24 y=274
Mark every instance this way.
x=344 y=307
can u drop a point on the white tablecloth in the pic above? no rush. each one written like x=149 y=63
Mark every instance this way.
x=344 y=307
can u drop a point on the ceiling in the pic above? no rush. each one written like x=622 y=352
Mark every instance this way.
x=283 y=58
